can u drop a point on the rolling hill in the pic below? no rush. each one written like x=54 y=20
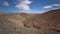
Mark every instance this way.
x=47 y=21
x=24 y=23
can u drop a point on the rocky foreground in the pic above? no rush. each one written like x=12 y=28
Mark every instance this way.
x=22 y=23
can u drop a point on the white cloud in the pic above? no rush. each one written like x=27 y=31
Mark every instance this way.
x=51 y=6
x=23 y=5
x=26 y=2
x=56 y=4
x=45 y=7
x=5 y=3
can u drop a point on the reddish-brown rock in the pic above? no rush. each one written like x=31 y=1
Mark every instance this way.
x=48 y=21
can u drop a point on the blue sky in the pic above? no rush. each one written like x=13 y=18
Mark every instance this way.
x=28 y=6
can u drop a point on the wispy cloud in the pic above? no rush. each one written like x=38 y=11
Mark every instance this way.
x=5 y=3
x=23 y=5
x=45 y=7
x=56 y=4
x=51 y=6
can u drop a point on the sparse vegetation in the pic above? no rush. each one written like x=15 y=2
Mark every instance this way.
x=46 y=23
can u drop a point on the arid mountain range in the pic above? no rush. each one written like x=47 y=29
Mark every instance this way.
x=48 y=21
x=24 y=23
